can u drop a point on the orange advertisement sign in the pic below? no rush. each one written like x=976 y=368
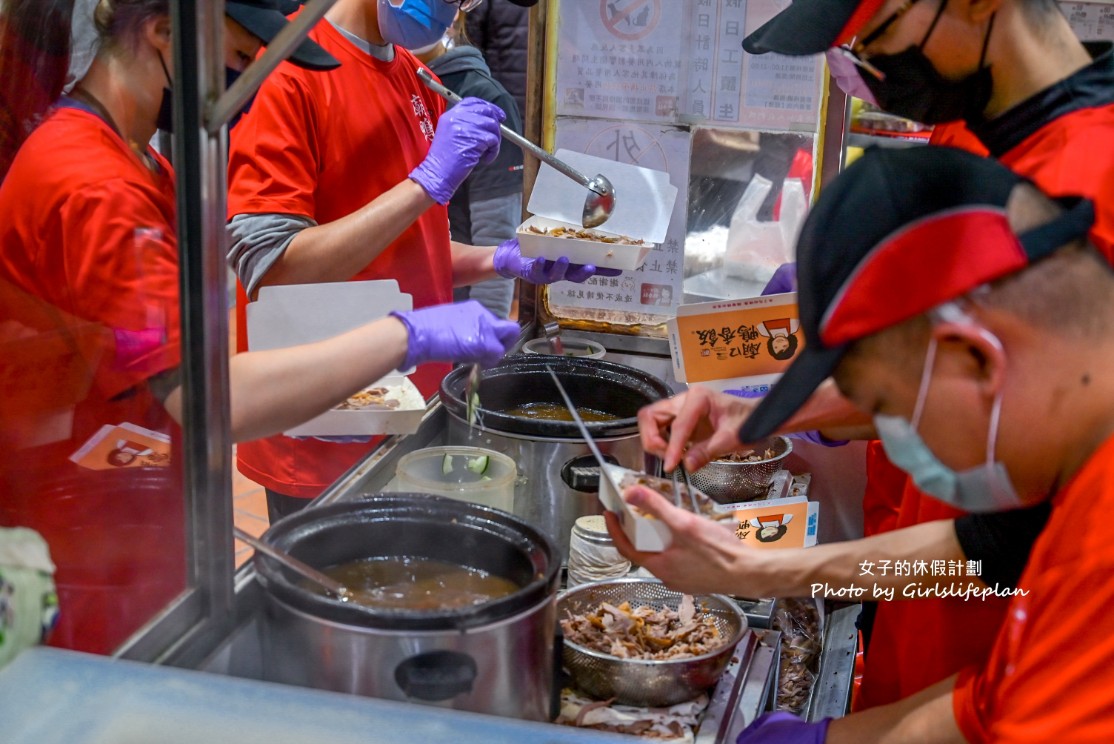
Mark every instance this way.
x=753 y=339
x=780 y=523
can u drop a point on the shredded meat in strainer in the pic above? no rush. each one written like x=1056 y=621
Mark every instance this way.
x=644 y=632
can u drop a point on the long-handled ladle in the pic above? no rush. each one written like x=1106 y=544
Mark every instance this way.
x=332 y=586
x=600 y=202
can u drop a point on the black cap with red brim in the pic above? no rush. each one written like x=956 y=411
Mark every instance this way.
x=265 y=18
x=811 y=26
x=899 y=233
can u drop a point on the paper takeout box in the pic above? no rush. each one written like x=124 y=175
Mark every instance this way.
x=582 y=251
x=644 y=201
x=290 y=315
x=646 y=533
x=780 y=523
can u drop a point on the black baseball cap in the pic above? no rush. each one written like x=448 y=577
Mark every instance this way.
x=897 y=234
x=812 y=26
x=265 y=18
x=525 y=3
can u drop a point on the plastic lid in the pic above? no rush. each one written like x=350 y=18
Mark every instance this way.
x=644 y=198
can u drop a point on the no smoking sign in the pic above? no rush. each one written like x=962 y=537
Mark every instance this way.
x=630 y=20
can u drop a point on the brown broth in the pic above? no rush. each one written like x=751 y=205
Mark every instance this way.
x=558 y=412
x=418 y=584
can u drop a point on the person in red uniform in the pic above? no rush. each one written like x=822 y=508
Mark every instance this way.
x=345 y=176
x=1012 y=75
x=970 y=310
x=90 y=338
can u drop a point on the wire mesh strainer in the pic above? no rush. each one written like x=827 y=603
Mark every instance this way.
x=726 y=482
x=636 y=681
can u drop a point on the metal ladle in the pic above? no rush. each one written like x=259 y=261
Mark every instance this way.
x=600 y=202
x=330 y=585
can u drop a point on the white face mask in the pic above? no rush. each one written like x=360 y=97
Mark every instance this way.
x=985 y=487
x=847 y=77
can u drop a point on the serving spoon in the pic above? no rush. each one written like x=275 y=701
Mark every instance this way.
x=332 y=586
x=600 y=202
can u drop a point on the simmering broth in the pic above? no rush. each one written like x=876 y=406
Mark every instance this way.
x=558 y=412
x=418 y=584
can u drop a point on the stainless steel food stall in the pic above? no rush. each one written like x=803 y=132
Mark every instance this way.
x=677 y=118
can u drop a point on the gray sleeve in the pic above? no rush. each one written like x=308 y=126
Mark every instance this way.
x=495 y=220
x=256 y=241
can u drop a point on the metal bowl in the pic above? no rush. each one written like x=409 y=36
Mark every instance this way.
x=640 y=682
x=727 y=482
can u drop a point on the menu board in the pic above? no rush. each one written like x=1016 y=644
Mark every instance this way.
x=681 y=62
x=655 y=287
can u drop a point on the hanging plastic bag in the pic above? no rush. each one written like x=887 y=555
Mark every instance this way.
x=756 y=249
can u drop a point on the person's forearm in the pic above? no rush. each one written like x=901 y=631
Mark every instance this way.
x=338 y=250
x=472 y=264
x=840 y=570
x=274 y=390
x=924 y=718
x=829 y=412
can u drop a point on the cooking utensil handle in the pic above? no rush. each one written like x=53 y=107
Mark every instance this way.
x=335 y=587
x=510 y=134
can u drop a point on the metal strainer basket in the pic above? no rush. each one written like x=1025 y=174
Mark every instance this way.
x=636 y=681
x=727 y=482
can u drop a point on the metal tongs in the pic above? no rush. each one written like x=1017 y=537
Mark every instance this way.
x=600 y=202
x=681 y=475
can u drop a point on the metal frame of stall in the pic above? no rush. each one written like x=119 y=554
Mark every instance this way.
x=213 y=624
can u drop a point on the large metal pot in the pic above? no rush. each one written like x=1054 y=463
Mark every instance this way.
x=558 y=477
x=495 y=658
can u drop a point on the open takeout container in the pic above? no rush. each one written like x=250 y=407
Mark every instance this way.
x=294 y=314
x=644 y=201
x=782 y=523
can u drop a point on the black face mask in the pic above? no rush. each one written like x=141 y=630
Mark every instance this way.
x=165 y=121
x=914 y=89
x=231 y=76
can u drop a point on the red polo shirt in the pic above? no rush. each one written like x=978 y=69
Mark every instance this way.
x=322 y=145
x=89 y=291
x=1050 y=676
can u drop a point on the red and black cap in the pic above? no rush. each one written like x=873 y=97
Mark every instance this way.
x=899 y=233
x=265 y=18
x=812 y=26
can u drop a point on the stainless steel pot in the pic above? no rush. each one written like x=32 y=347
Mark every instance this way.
x=558 y=477
x=497 y=658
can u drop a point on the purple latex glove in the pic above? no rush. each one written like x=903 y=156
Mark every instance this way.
x=467 y=135
x=783 y=280
x=784 y=728
x=510 y=263
x=465 y=332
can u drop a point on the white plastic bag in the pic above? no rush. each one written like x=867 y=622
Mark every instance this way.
x=755 y=249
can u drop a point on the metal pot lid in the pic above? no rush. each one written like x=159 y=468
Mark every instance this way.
x=413 y=525
x=522 y=378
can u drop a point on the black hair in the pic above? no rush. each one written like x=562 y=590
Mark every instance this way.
x=787 y=353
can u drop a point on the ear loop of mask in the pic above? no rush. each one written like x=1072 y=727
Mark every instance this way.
x=985 y=40
x=165 y=72
x=931 y=28
x=951 y=312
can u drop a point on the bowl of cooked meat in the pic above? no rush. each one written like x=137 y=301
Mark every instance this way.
x=637 y=642
x=745 y=475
